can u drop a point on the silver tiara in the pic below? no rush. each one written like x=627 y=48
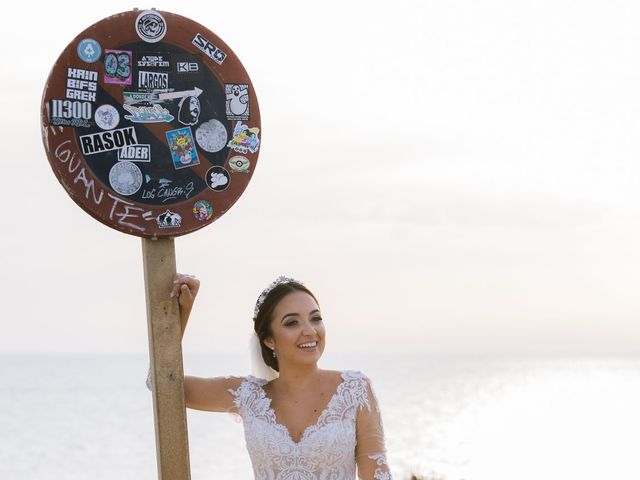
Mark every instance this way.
x=282 y=279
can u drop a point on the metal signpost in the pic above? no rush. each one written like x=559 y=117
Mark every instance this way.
x=151 y=124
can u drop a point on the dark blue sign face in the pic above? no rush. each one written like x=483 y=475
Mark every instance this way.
x=155 y=131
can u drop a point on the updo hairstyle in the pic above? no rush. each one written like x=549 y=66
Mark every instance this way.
x=262 y=322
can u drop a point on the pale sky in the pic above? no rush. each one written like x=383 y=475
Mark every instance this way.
x=446 y=176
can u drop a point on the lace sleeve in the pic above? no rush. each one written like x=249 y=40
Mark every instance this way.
x=370 y=451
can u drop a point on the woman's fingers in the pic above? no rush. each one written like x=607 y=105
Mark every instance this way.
x=186 y=297
x=185 y=284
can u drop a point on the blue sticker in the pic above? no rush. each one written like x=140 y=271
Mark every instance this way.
x=182 y=147
x=89 y=50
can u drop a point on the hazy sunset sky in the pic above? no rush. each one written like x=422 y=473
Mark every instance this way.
x=446 y=176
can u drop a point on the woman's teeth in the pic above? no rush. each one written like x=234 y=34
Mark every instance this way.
x=308 y=345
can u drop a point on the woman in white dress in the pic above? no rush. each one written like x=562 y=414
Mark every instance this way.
x=300 y=422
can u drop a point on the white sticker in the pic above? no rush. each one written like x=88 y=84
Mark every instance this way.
x=150 y=26
x=107 y=117
x=212 y=136
x=125 y=178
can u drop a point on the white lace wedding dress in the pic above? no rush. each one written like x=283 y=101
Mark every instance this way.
x=348 y=433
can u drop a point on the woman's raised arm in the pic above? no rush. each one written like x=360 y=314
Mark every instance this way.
x=211 y=394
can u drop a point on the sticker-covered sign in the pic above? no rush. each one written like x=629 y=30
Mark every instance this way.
x=151 y=124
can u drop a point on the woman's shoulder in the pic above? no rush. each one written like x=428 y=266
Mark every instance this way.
x=354 y=374
x=248 y=382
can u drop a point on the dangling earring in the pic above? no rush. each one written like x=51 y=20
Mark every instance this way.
x=274 y=353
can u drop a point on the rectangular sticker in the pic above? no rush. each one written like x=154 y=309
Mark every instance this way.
x=117 y=66
x=209 y=49
x=135 y=153
x=182 y=147
x=107 y=141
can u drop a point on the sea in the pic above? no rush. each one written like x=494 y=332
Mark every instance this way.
x=446 y=417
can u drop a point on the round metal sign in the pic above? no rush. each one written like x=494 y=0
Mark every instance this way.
x=151 y=123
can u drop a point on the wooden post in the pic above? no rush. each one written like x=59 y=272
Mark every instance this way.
x=165 y=351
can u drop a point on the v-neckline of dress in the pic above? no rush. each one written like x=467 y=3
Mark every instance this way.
x=272 y=414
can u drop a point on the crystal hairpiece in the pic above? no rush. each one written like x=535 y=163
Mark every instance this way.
x=265 y=293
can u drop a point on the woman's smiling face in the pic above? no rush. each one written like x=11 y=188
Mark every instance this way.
x=298 y=331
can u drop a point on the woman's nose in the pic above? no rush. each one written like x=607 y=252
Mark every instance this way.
x=309 y=329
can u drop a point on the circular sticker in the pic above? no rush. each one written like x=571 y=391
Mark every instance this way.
x=125 y=178
x=107 y=117
x=239 y=163
x=150 y=26
x=89 y=50
x=212 y=136
x=202 y=210
x=217 y=178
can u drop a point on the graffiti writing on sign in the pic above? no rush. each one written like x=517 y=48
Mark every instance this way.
x=109 y=140
x=167 y=191
x=64 y=154
x=209 y=49
x=126 y=212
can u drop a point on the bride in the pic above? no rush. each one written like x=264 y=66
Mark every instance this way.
x=300 y=422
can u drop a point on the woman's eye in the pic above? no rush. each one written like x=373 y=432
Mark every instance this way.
x=316 y=319
x=290 y=324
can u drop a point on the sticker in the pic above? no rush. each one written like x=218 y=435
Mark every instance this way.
x=117 y=67
x=217 y=178
x=202 y=210
x=212 y=136
x=107 y=141
x=186 y=65
x=244 y=139
x=139 y=97
x=237 y=101
x=209 y=49
x=155 y=61
x=89 y=50
x=81 y=84
x=125 y=178
x=152 y=114
x=194 y=92
x=166 y=190
x=107 y=117
x=169 y=219
x=150 y=26
x=189 y=110
x=239 y=163
x=182 y=147
x=71 y=113
x=135 y=153
x=153 y=80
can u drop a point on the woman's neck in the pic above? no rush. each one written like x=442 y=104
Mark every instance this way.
x=294 y=378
